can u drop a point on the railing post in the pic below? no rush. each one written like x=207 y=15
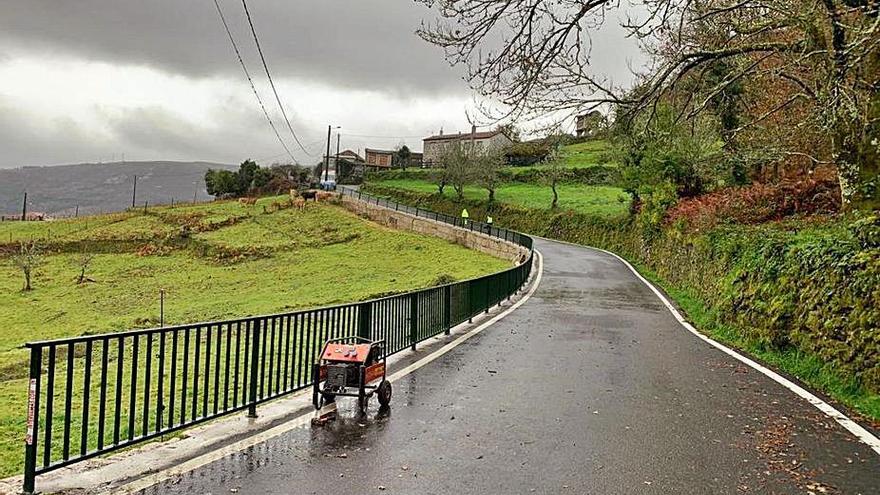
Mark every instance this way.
x=413 y=319
x=30 y=443
x=364 y=316
x=470 y=299
x=488 y=283
x=254 y=371
x=447 y=308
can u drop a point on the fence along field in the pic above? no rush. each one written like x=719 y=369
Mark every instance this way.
x=91 y=395
x=250 y=261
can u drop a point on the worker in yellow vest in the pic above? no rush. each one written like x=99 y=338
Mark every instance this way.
x=464 y=216
x=489 y=224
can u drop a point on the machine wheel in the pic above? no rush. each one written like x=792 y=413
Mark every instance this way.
x=384 y=392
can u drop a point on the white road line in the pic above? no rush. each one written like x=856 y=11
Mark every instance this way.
x=861 y=433
x=304 y=419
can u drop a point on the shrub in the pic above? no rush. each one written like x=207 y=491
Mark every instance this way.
x=528 y=153
x=756 y=203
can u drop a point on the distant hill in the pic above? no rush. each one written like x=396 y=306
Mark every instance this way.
x=102 y=187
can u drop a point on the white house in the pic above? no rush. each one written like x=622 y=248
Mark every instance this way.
x=435 y=145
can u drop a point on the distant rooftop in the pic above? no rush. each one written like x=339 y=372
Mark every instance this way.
x=474 y=135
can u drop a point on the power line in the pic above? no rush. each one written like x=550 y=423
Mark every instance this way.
x=269 y=76
x=250 y=79
x=388 y=136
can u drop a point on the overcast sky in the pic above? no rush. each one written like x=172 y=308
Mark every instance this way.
x=89 y=80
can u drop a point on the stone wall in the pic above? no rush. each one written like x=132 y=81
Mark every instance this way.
x=404 y=221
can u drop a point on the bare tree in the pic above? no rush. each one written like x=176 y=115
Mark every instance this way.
x=457 y=163
x=440 y=178
x=553 y=172
x=486 y=166
x=532 y=56
x=82 y=262
x=27 y=259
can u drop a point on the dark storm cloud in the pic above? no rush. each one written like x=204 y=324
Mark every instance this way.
x=351 y=43
x=145 y=133
x=26 y=141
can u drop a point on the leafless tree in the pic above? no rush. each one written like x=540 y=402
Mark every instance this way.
x=457 y=163
x=27 y=259
x=486 y=165
x=553 y=172
x=441 y=179
x=533 y=56
x=82 y=262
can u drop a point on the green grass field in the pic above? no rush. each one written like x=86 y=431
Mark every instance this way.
x=238 y=261
x=580 y=155
x=599 y=200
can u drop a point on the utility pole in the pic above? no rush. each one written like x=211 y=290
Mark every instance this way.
x=336 y=160
x=24 y=208
x=327 y=156
x=134 y=190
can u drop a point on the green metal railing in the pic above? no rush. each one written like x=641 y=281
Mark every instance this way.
x=95 y=394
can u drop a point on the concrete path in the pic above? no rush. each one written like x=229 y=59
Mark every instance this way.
x=590 y=387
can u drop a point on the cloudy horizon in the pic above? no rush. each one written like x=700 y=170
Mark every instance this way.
x=89 y=81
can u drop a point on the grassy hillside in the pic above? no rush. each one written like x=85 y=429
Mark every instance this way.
x=586 y=183
x=581 y=155
x=599 y=200
x=236 y=261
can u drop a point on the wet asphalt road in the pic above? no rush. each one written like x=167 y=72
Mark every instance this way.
x=590 y=387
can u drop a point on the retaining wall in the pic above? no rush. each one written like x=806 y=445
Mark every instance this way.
x=404 y=221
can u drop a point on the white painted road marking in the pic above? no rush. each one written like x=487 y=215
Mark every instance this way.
x=861 y=433
x=305 y=418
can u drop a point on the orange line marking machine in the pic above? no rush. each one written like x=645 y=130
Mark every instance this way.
x=350 y=367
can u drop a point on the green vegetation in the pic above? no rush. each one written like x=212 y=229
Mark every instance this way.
x=598 y=200
x=804 y=366
x=584 y=183
x=582 y=155
x=252 y=179
x=215 y=261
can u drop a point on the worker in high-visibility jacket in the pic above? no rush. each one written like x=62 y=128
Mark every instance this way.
x=488 y=224
x=464 y=216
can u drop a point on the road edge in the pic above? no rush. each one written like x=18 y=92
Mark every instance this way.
x=843 y=420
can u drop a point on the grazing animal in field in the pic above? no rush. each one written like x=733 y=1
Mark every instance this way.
x=310 y=194
x=323 y=195
x=293 y=195
x=247 y=201
x=299 y=203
